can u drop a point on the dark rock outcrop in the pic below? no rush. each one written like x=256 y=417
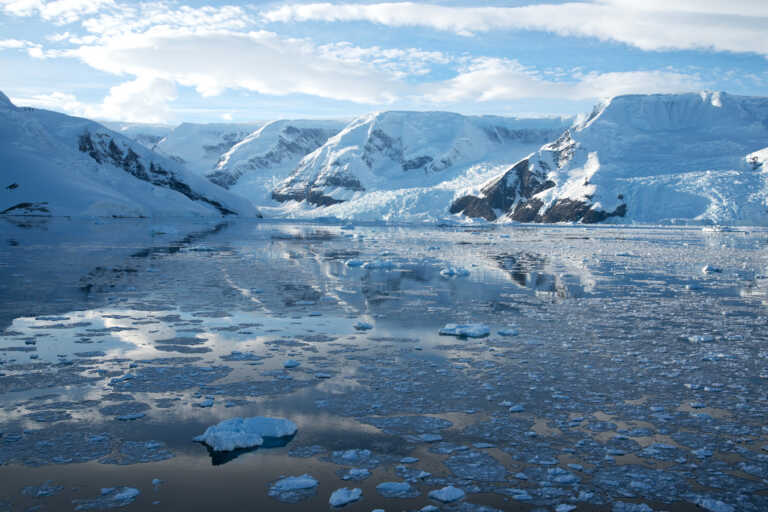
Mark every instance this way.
x=105 y=150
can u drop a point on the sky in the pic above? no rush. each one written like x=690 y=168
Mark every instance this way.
x=188 y=60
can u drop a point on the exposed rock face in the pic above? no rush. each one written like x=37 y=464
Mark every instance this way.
x=649 y=158
x=513 y=194
x=102 y=148
x=201 y=146
x=274 y=149
x=397 y=150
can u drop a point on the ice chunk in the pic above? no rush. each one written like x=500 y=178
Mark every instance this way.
x=509 y=331
x=396 y=490
x=713 y=505
x=236 y=433
x=710 y=269
x=356 y=474
x=111 y=497
x=46 y=489
x=343 y=496
x=291 y=363
x=623 y=506
x=379 y=265
x=363 y=326
x=293 y=489
x=447 y=494
x=466 y=330
x=354 y=263
x=454 y=272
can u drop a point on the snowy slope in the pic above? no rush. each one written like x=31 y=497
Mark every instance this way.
x=641 y=158
x=254 y=166
x=148 y=135
x=384 y=159
x=200 y=146
x=54 y=164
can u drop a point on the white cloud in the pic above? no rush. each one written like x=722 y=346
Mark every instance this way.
x=14 y=44
x=58 y=11
x=142 y=100
x=737 y=26
x=491 y=79
x=212 y=61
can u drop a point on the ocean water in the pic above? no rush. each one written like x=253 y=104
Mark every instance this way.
x=622 y=365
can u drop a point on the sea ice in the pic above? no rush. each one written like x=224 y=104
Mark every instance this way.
x=466 y=330
x=363 y=326
x=343 y=496
x=447 y=494
x=356 y=474
x=236 y=433
x=46 y=489
x=291 y=363
x=396 y=490
x=111 y=497
x=293 y=489
x=454 y=272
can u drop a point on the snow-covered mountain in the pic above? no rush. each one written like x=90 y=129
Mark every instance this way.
x=401 y=151
x=200 y=146
x=54 y=164
x=148 y=135
x=255 y=165
x=641 y=158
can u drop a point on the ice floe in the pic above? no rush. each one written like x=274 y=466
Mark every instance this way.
x=238 y=433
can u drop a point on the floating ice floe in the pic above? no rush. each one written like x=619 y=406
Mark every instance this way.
x=111 y=497
x=356 y=474
x=363 y=326
x=466 y=330
x=701 y=338
x=237 y=433
x=353 y=263
x=44 y=490
x=454 y=272
x=379 y=265
x=713 y=505
x=343 y=496
x=291 y=363
x=447 y=494
x=710 y=269
x=396 y=490
x=293 y=489
x=510 y=331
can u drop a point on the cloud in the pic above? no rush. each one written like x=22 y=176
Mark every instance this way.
x=212 y=61
x=735 y=26
x=59 y=11
x=141 y=100
x=14 y=44
x=492 y=79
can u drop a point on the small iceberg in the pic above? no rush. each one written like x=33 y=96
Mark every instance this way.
x=447 y=494
x=454 y=272
x=294 y=489
x=344 y=496
x=241 y=433
x=363 y=326
x=466 y=330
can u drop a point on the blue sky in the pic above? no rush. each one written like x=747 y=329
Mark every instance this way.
x=173 y=61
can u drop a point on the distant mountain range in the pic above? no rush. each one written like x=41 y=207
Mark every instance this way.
x=687 y=158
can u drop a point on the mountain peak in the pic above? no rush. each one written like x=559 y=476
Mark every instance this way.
x=5 y=101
